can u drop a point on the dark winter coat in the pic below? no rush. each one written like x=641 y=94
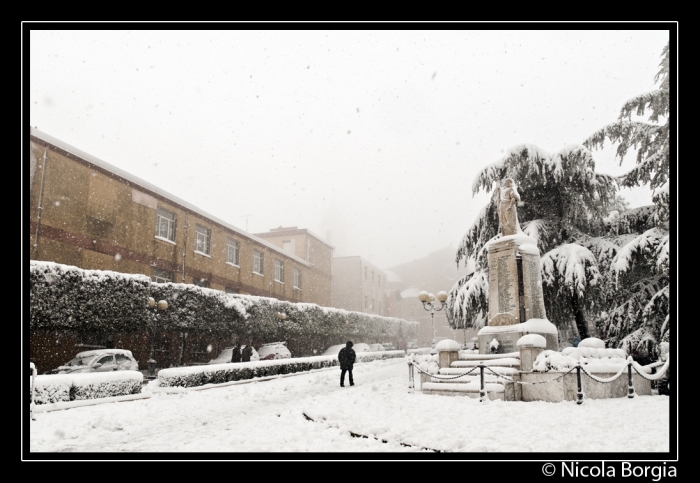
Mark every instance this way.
x=236 y=354
x=247 y=352
x=346 y=357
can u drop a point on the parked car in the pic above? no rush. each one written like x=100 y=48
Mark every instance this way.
x=99 y=360
x=376 y=347
x=333 y=350
x=274 y=350
x=361 y=347
x=388 y=346
x=225 y=355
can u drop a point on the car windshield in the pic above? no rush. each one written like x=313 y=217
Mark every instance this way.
x=81 y=361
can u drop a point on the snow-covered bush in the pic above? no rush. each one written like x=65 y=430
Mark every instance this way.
x=193 y=376
x=105 y=384
x=591 y=358
x=51 y=389
x=67 y=298
x=70 y=387
x=426 y=362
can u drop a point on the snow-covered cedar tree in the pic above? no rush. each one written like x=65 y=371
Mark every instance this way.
x=637 y=285
x=650 y=139
x=563 y=200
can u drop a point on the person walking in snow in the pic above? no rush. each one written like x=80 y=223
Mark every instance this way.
x=246 y=353
x=236 y=353
x=346 y=357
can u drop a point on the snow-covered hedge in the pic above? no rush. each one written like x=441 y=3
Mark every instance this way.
x=51 y=389
x=193 y=376
x=63 y=297
x=70 y=387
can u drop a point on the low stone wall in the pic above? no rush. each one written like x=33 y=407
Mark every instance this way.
x=565 y=388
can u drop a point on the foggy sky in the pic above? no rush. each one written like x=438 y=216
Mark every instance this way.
x=369 y=137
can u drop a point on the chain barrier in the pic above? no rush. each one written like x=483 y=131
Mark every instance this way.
x=444 y=378
x=526 y=382
x=654 y=377
x=631 y=364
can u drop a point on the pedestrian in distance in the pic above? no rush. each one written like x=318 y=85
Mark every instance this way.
x=346 y=357
x=236 y=353
x=246 y=353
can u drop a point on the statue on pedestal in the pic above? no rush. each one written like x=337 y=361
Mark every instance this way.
x=507 y=213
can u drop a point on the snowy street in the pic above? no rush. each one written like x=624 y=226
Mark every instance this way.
x=269 y=416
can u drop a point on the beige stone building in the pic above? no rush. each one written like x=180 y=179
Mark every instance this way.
x=359 y=286
x=88 y=213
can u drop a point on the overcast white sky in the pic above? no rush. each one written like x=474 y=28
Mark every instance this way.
x=372 y=135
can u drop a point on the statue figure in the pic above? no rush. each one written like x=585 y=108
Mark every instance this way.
x=507 y=212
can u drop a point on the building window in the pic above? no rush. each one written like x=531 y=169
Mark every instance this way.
x=232 y=251
x=165 y=224
x=161 y=276
x=202 y=236
x=297 y=278
x=279 y=271
x=201 y=282
x=258 y=262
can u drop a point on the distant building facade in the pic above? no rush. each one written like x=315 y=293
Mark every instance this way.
x=308 y=246
x=90 y=214
x=358 y=286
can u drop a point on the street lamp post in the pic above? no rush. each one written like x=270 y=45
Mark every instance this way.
x=428 y=300
x=155 y=307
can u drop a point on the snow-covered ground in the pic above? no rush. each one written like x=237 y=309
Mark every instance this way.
x=271 y=416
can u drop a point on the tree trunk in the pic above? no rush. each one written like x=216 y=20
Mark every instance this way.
x=581 y=324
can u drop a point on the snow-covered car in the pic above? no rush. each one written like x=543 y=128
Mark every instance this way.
x=333 y=350
x=361 y=347
x=274 y=350
x=99 y=360
x=225 y=355
x=388 y=346
x=376 y=347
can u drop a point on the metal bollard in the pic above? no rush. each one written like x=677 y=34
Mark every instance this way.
x=579 y=393
x=630 y=386
x=482 y=391
x=411 y=384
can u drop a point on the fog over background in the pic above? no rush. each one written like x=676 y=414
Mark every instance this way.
x=369 y=138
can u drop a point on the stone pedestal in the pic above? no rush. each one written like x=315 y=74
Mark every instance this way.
x=508 y=335
x=445 y=358
x=516 y=303
x=515 y=282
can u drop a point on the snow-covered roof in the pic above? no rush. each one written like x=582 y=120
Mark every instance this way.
x=134 y=180
x=410 y=292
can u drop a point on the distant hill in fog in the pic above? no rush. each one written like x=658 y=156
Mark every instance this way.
x=432 y=273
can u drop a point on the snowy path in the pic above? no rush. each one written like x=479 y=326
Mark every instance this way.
x=269 y=417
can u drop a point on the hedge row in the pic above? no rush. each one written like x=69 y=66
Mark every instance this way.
x=71 y=387
x=220 y=373
x=67 y=298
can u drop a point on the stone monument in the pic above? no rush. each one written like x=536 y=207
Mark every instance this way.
x=516 y=303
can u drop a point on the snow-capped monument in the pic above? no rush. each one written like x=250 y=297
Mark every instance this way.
x=516 y=304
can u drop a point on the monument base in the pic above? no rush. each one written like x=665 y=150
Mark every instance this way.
x=507 y=336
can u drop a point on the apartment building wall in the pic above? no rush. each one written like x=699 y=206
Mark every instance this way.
x=87 y=213
x=358 y=285
x=310 y=247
